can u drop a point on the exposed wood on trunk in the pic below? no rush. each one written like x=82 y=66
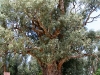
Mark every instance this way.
x=51 y=69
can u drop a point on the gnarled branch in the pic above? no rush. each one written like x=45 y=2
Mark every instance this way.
x=40 y=29
x=73 y=57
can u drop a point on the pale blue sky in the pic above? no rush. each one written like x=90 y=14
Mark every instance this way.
x=96 y=24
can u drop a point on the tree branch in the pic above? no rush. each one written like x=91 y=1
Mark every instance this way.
x=32 y=54
x=82 y=55
x=40 y=29
x=73 y=57
x=72 y=8
x=93 y=18
x=38 y=59
x=62 y=61
x=90 y=15
x=61 y=6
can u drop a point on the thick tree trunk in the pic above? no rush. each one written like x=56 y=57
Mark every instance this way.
x=51 y=69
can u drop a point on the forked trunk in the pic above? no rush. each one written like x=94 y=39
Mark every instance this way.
x=51 y=69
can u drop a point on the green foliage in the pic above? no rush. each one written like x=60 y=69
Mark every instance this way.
x=74 y=38
x=74 y=34
x=17 y=64
x=97 y=72
x=91 y=35
x=73 y=67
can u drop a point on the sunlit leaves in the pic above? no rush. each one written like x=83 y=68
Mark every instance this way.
x=74 y=36
x=91 y=35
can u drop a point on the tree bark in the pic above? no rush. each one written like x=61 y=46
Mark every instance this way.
x=61 y=6
x=4 y=67
x=51 y=69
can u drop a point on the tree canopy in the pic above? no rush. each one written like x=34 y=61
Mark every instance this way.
x=55 y=29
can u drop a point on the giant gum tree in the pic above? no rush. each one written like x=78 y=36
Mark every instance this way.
x=59 y=25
